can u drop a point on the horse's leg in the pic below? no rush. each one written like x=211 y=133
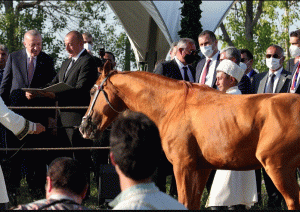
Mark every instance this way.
x=285 y=180
x=190 y=184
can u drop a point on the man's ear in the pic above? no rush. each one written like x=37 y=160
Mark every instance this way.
x=112 y=159
x=49 y=186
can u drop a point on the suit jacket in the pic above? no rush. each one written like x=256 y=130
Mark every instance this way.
x=245 y=85
x=292 y=75
x=260 y=80
x=15 y=78
x=81 y=76
x=200 y=67
x=170 y=69
x=290 y=65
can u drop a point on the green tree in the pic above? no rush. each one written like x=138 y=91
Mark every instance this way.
x=190 y=22
x=256 y=25
x=54 y=19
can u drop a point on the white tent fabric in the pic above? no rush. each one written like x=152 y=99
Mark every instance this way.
x=136 y=16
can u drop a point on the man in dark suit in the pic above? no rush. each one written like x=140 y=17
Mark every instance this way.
x=206 y=68
x=275 y=80
x=179 y=68
x=28 y=68
x=294 y=51
x=247 y=58
x=79 y=72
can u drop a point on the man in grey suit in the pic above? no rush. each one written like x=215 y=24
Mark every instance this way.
x=275 y=80
x=206 y=68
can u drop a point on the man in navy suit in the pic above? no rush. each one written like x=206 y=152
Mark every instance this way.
x=263 y=83
x=28 y=68
x=179 y=68
x=247 y=58
x=79 y=72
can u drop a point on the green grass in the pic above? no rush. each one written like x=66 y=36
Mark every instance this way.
x=92 y=201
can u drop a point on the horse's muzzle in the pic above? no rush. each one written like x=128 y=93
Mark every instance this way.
x=87 y=128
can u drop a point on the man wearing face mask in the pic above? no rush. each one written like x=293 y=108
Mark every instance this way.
x=179 y=68
x=88 y=45
x=206 y=68
x=275 y=80
x=294 y=50
x=247 y=58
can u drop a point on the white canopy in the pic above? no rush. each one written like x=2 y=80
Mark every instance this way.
x=152 y=26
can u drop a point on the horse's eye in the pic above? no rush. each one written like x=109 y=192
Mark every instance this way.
x=92 y=92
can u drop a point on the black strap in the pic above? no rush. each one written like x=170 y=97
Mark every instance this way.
x=68 y=201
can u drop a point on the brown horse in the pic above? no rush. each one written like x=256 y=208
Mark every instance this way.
x=202 y=129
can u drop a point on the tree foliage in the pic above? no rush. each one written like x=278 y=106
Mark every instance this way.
x=256 y=25
x=190 y=22
x=54 y=19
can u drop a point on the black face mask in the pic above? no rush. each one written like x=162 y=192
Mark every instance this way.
x=189 y=58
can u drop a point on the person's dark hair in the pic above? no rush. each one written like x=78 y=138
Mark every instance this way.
x=68 y=174
x=295 y=34
x=210 y=33
x=135 y=144
x=248 y=53
x=111 y=55
x=78 y=35
x=232 y=52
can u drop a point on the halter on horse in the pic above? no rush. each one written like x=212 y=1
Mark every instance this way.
x=202 y=129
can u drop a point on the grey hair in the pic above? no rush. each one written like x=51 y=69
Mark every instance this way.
x=33 y=32
x=4 y=48
x=183 y=42
x=232 y=52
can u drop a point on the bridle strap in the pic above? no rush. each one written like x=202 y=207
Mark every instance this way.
x=100 y=88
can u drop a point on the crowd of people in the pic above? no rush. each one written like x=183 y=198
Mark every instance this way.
x=134 y=138
x=230 y=71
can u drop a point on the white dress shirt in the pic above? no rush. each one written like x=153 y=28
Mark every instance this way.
x=211 y=71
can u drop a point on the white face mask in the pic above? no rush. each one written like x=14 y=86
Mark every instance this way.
x=243 y=66
x=87 y=46
x=273 y=63
x=295 y=51
x=207 y=50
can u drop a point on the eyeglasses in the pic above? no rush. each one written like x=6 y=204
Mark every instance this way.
x=193 y=52
x=274 y=56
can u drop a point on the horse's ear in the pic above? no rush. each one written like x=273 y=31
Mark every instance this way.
x=106 y=68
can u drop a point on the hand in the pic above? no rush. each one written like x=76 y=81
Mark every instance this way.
x=50 y=95
x=39 y=128
x=29 y=95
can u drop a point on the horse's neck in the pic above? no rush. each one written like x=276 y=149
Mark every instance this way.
x=148 y=94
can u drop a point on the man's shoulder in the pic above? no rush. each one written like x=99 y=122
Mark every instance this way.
x=17 y=53
x=51 y=204
x=45 y=55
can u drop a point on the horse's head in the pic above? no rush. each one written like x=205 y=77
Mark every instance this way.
x=104 y=106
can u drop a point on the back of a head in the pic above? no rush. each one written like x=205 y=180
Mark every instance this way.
x=232 y=52
x=67 y=174
x=135 y=144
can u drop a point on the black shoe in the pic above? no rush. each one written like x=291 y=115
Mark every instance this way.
x=237 y=207
x=218 y=208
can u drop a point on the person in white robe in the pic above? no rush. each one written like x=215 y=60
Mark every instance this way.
x=231 y=190
x=20 y=127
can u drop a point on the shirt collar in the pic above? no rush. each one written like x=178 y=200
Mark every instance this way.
x=60 y=196
x=133 y=189
x=180 y=65
x=277 y=73
x=77 y=56
x=29 y=56
x=214 y=57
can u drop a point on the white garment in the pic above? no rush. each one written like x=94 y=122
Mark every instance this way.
x=233 y=187
x=3 y=192
x=16 y=124
x=145 y=196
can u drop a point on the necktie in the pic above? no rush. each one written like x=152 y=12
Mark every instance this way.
x=205 y=72
x=294 y=83
x=271 y=84
x=69 y=67
x=30 y=69
x=186 y=78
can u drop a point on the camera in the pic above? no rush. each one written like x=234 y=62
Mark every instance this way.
x=101 y=55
